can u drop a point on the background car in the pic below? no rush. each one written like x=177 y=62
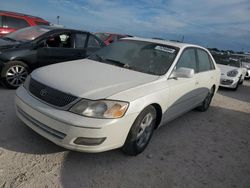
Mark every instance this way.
x=247 y=66
x=108 y=38
x=118 y=95
x=232 y=73
x=12 y=21
x=32 y=47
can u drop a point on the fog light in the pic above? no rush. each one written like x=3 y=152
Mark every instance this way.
x=89 y=141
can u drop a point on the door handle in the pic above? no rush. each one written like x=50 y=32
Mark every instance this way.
x=196 y=83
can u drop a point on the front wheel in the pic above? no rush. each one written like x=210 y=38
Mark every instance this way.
x=14 y=74
x=140 y=132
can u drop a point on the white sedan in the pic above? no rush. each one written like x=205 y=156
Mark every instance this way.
x=232 y=73
x=119 y=95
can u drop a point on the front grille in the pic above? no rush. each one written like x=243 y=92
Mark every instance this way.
x=50 y=95
x=226 y=82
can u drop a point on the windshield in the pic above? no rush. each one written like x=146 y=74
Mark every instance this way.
x=146 y=57
x=27 y=34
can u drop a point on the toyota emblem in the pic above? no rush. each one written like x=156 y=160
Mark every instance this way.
x=43 y=92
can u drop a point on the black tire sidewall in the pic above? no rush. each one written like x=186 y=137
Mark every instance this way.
x=130 y=147
x=6 y=67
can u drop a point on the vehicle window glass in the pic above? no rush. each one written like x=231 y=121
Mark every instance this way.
x=12 y=22
x=102 y=36
x=41 y=23
x=80 y=40
x=60 y=41
x=146 y=57
x=93 y=42
x=1 y=23
x=205 y=63
x=187 y=60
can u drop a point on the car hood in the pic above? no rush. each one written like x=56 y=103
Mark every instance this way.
x=226 y=68
x=6 y=44
x=90 y=79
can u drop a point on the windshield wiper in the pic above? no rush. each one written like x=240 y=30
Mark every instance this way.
x=117 y=63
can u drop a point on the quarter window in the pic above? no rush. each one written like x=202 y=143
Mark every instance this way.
x=93 y=42
x=80 y=40
x=205 y=63
x=15 y=23
x=1 y=23
x=188 y=60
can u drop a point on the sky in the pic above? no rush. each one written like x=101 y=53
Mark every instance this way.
x=222 y=24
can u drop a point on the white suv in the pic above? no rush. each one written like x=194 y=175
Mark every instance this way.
x=119 y=95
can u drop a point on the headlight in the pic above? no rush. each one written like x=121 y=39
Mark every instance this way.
x=27 y=83
x=106 y=109
x=232 y=73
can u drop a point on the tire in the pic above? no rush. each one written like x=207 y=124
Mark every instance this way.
x=207 y=101
x=241 y=82
x=14 y=74
x=140 y=132
x=237 y=85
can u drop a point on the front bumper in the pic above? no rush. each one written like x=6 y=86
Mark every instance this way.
x=63 y=127
x=229 y=82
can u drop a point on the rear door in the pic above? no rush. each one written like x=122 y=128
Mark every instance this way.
x=206 y=76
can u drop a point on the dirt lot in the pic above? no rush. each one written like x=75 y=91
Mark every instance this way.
x=210 y=150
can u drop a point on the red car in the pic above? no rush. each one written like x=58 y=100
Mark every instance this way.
x=12 y=21
x=108 y=38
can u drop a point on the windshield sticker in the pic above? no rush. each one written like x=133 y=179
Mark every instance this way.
x=165 y=49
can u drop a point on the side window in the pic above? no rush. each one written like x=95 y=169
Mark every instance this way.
x=188 y=60
x=15 y=23
x=205 y=62
x=60 y=41
x=93 y=42
x=1 y=22
x=80 y=40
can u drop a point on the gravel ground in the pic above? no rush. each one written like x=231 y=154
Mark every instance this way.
x=209 y=150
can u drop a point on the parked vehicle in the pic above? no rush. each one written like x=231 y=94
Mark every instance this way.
x=247 y=66
x=32 y=47
x=119 y=95
x=108 y=38
x=12 y=21
x=232 y=73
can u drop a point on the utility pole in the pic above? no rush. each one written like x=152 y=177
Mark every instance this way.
x=58 y=17
x=182 y=39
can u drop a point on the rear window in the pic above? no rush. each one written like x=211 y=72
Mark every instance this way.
x=12 y=22
x=41 y=23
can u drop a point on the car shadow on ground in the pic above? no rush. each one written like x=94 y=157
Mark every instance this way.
x=15 y=135
x=242 y=94
x=197 y=149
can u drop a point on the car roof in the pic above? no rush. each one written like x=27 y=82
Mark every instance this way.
x=165 y=42
x=22 y=15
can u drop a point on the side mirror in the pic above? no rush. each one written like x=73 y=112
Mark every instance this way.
x=183 y=72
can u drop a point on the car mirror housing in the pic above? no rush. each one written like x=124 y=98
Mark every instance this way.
x=183 y=72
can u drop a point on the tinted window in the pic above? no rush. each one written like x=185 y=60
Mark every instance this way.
x=41 y=23
x=93 y=42
x=12 y=22
x=205 y=63
x=1 y=21
x=188 y=60
x=147 y=57
x=80 y=40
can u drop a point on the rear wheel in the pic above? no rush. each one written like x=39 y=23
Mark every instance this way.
x=140 y=132
x=207 y=101
x=14 y=74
